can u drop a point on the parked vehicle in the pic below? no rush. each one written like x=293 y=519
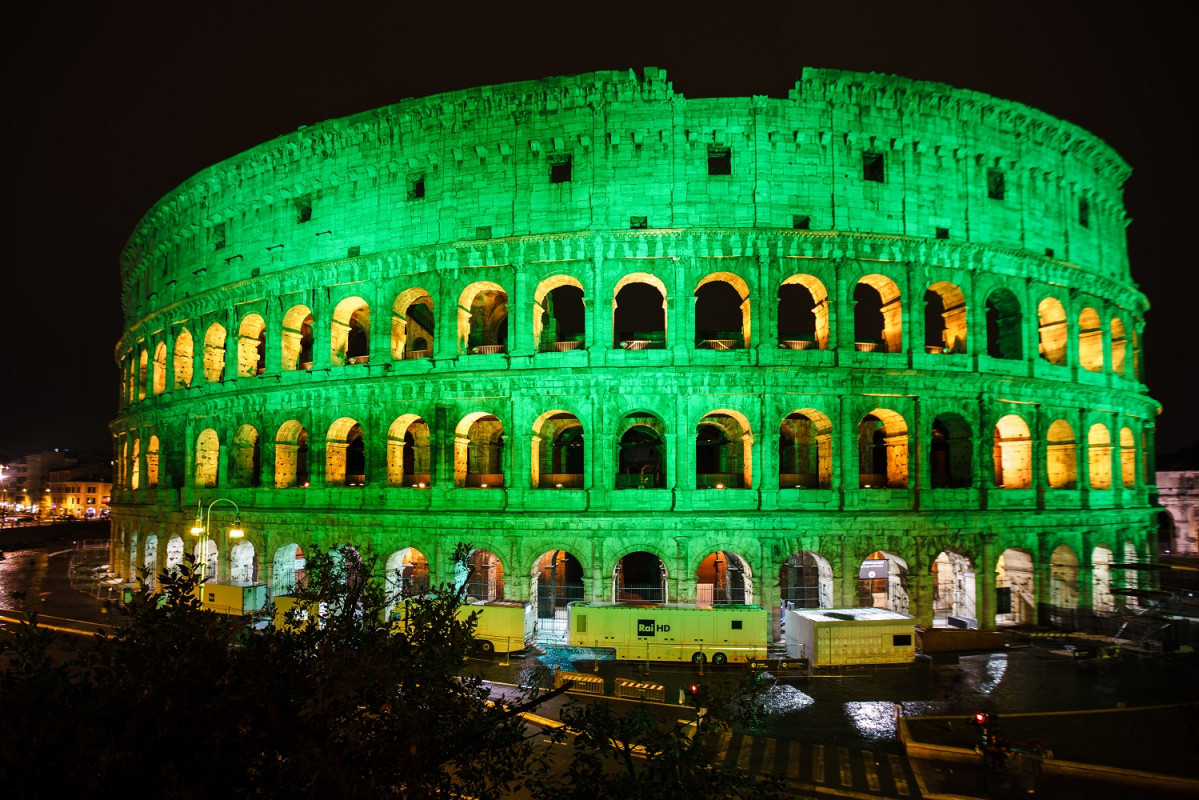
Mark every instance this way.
x=672 y=632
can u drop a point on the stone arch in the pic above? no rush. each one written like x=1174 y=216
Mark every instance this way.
x=413 y=325
x=244 y=461
x=345 y=454
x=483 y=319
x=479 y=451
x=878 y=315
x=1102 y=600
x=559 y=318
x=143 y=371
x=407 y=574
x=208 y=558
x=214 y=353
x=291 y=455
x=208 y=449
x=951 y=452
x=640 y=577
x=1128 y=459
x=883 y=450
x=1090 y=340
x=724 y=578
x=806 y=581
x=1063 y=581
x=953 y=587
x=297 y=339
x=251 y=346
x=152 y=451
x=1012 y=453
x=184 y=359
x=174 y=554
x=722 y=312
x=287 y=569
x=1119 y=346
x=557 y=451
x=724 y=451
x=243 y=563
x=641 y=459
x=484 y=579
x=1005 y=325
x=803 y=322
x=883 y=582
x=1132 y=577
x=160 y=368
x=408 y=450
x=1099 y=456
x=350 y=332
x=1015 y=588
x=557 y=579
x=639 y=317
x=945 y=318
x=805 y=450
x=135 y=466
x=1061 y=456
x=150 y=561
x=1052 y=329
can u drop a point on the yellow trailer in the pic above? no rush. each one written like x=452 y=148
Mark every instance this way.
x=235 y=599
x=285 y=603
x=841 y=636
x=672 y=632
x=504 y=626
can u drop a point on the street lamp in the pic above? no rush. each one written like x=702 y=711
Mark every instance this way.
x=204 y=521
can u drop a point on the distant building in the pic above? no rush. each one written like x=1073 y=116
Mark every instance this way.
x=1178 y=492
x=83 y=491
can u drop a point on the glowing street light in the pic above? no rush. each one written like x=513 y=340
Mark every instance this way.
x=204 y=520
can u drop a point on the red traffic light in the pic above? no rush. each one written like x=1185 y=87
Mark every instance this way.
x=694 y=689
x=980 y=718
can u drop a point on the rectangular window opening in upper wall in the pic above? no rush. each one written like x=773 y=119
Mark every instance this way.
x=720 y=160
x=560 y=168
x=218 y=236
x=801 y=222
x=416 y=185
x=995 y=186
x=872 y=167
x=1084 y=212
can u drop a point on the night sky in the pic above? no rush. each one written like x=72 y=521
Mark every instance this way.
x=107 y=109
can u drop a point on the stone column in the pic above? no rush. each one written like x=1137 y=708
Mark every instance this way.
x=984 y=581
x=920 y=579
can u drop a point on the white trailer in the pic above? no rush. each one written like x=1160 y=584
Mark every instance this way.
x=672 y=632
x=842 y=636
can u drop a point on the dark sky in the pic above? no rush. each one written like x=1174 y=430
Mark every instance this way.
x=110 y=108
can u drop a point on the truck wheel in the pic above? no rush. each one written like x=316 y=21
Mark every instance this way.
x=698 y=658
x=487 y=647
x=720 y=658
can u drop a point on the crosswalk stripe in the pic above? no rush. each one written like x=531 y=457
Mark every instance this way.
x=768 y=757
x=845 y=765
x=871 y=771
x=722 y=745
x=793 y=756
x=901 y=781
x=747 y=751
x=818 y=763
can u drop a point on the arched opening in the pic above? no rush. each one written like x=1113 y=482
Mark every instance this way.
x=641 y=462
x=1051 y=318
x=251 y=347
x=722 y=318
x=184 y=359
x=208 y=449
x=135 y=466
x=297 y=339
x=1015 y=582
x=479 y=452
x=557 y=459
x=1132 y=577
x=408 y=453
x=244 y=461
x=953 y=589
x=150 y=562
x=1128 y=459
x=483 y=319
x=152 y=462
x=412 y=325
x=723 y=451
x=291 y=455
x=944 y=319
x=208 y=560
x=639 y=313
x=1063 y=585
x=1062 y=456
x=639 y=577
x=557 y=581
x=345 y=456
x=1099 y=456
x=883 y=582
x=1012 y=453
x=407 y=574
x=882 y=451
x=724 y=578
x=1102 y=600
x=287 y=572
x=951 y=453
x=214 y=353
x=485 y=576
x=174 y=554
x=1090 y=340
x=143 y=370
x=243 y=563
x=160 y=368
x=803 y=314
x=1119 y=346
x=132 y=575
x=1005 y=326
x=559 y=321
x=877 y=315
x=1167 y=534
x=349 y=340
x=806 y=581
x=805 y=451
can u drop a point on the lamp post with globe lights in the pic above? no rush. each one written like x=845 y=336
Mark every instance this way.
x=201 y=529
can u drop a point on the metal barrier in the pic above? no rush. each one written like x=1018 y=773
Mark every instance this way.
x=580 y=682
x=640 y=690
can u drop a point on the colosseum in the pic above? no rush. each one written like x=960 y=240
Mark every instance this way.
x=872 y=344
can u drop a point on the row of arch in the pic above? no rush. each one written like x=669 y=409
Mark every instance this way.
x=723 y=454
x=723 y=321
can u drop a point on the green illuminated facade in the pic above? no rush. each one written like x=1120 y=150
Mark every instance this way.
x=638 y=346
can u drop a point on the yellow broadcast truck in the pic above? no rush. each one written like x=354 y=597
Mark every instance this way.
x=235 y=599
x=504 y=626
x=672 y=632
